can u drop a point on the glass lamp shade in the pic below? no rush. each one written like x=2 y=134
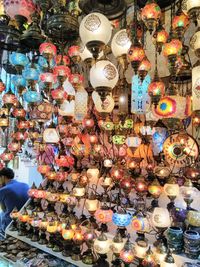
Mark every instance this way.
x=145 y=65
x=24 y=8
x=104 y=74
x=150 y=15
x=47 y=78
x=79 y=191
x=23 y=125
x=31 y=74
x=4 y=122
x=136 y=53
x=32 y=97
x=20 y=136
x=2 y=86
x=161 y=36
x=62 y=71
x=140 y=249
x=76 y=79
x=188 y=192
x=52 y=227
x=43 y=169
x=106 y=182
x=140 y=223
x=64 y=161
x=156 y=88
x=102 y=244
x=195 y=43
x=18 y=59
x=19 y=113
x=93 y=174
x=81 y=103
x=19 y=81
x=14 y=146
x=155 y=189
x=6 y=156
x=48 y=50
x=78 y=237
x=117 y=246
x=62 y=60
x=180 y=21
x=50 y=135
x=127 y=254
x=121 y=219
x=91 y=205
x=171 y=190
x=9 y=99
x=74 y=51
x=120 y=43
x=104 y=215
x=167 y=264
x=67 y=108
x=59 y=94
x=88 y=123
x=174 y=47
x=161 y=218
x=95 y=27
x=85 y=54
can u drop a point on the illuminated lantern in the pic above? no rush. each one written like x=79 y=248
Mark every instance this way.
x=88 y=123
x=9 y=99
x=117 y=244
x=48 y=50
x=140 y=223
x=19 y=112
x=48 y=79
x=78 y=237
x=91 y=204
x=141 y=185
x=117 y=174
x=121 y=219
x=67 y=108
x=62 y=72
x=172 y=50
x=95 y=32
x=196 y=91
x=155 y=189
x=64 y=161
x=14 y=146
x=162 y=171
x=76 y=79
x=2 y=86
x=141 y=247
x=4 y=122
x=161 y=218
x=52 y=227
x=127 y=184
x=135 y=55
x=67 y=234
x=19 y=82
x=104 y=215
x=20 y=136
x=7 y=156
x=103 y=77
x=144 y=68
x=74 y=53
x=191 y=7
x=19 y=60
x=180 y=23
x=188 y=192
x=50 y=135
x=149 y=259
x=81 y=103
x=59 y=94
x=79 y=191
x=156 y=89
x=44 y=169
x=171 y=188
x=161 y=37
x=127 y=254
x=24 y=8
x=23 y=125
x=102 y=244
x=31 y=74
x=32 y=97
x=151 y=14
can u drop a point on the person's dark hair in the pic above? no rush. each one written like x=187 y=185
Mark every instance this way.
x=9 y=173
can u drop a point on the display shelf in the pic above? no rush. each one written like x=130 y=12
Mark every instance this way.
x=45 y=249
x=6 y=259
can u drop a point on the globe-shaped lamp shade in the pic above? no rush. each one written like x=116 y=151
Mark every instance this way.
x=195 y=43
x=156 y=88
x=161 y=36
x=151 y=13
x=161 y=218
x=48 y=50
x=31 y=74
x=174 y=47
x=91 y=205
x=120 y=43
x=18 y=59
x=32 y=97
x=24 y=8
x=180 y=21
x=104 y=215
x=102 y=244
x=50 y=135
x=18 y=81
x=95 y=27
x=121 y=219
x=171 y=190
x=104 y=74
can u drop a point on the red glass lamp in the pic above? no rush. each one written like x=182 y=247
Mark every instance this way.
x=74 y=53
x=62 y=72
x=180 y=23
x=151 y=14
x=14 y=146
x=2 y=86
x=135 y=55
x=76 y=79
x=144 y=68
x=48 y=50
x=7 y=156
x=9 y=99
x=161 y=37
x=59 y=95
x=62 y=60
x=172 y=50
x=48 y=79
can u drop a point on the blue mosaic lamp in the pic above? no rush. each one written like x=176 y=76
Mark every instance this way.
x=31 y=74
x=121 y=219
x=19 y=81
x=32 y=97
x=18 y=59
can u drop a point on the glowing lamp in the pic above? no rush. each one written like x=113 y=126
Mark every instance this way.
x=135 y=55
x=95 y=32
x=79 y=191
x=78 y=237
x=48 y=50
x=51 y=175
x=18 y=59
x=180 y=23
x=103 y=77
x=141 y=247
x=150 y=15
x=140 y=223
x=50 y=135
x=64 y=161
x=162 y=171
x=62 y=72
x=67 y=234
x=19 y=112
x=7 y=156
x=161 y=218
x=91 y=205
x=93 y=174
x=31 y=74
x=117 y=174
x=127 y=184
x=9 y=99
x=74 y=53
x=117 y=244
x=121 y=219
x=52 y=227
x=4 y=122
x=59 y=94
x=76 y=79
x=104 y=215
x=32 y=97
x=102 y=244
x=141 y=186
x=14 y=146
x=127 y=254
x=2 y=86
x=172 y=50
x=120 y=43
x=156 y=88
x=48 y=79
x=155 y=189
x=149 y=259
x=106 y=182
x=144 y=68
x=161 y=37
x=188 y=192
x=171 y=189
x=192 y=7
x=43 y=169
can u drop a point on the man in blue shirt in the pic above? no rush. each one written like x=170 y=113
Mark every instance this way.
x=12 y=194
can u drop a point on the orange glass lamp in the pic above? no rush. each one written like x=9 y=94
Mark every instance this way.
x=161 y=37
x=4 y=122
x=127 y=254
x=151 y=14
x=44 y=169
x=144 y=68
x=104 y=216
x=135 y=55
x=171 y=51
x=149 y=259
x=78 y=240
x=92 y=204
x=155 y=189
x=180 y=24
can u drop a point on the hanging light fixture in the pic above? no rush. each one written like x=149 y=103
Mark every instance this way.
x=151 y=14
x=180 y=22
x=95 y=32
x=50 y=135
x=161 y=37
x=192 y=8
